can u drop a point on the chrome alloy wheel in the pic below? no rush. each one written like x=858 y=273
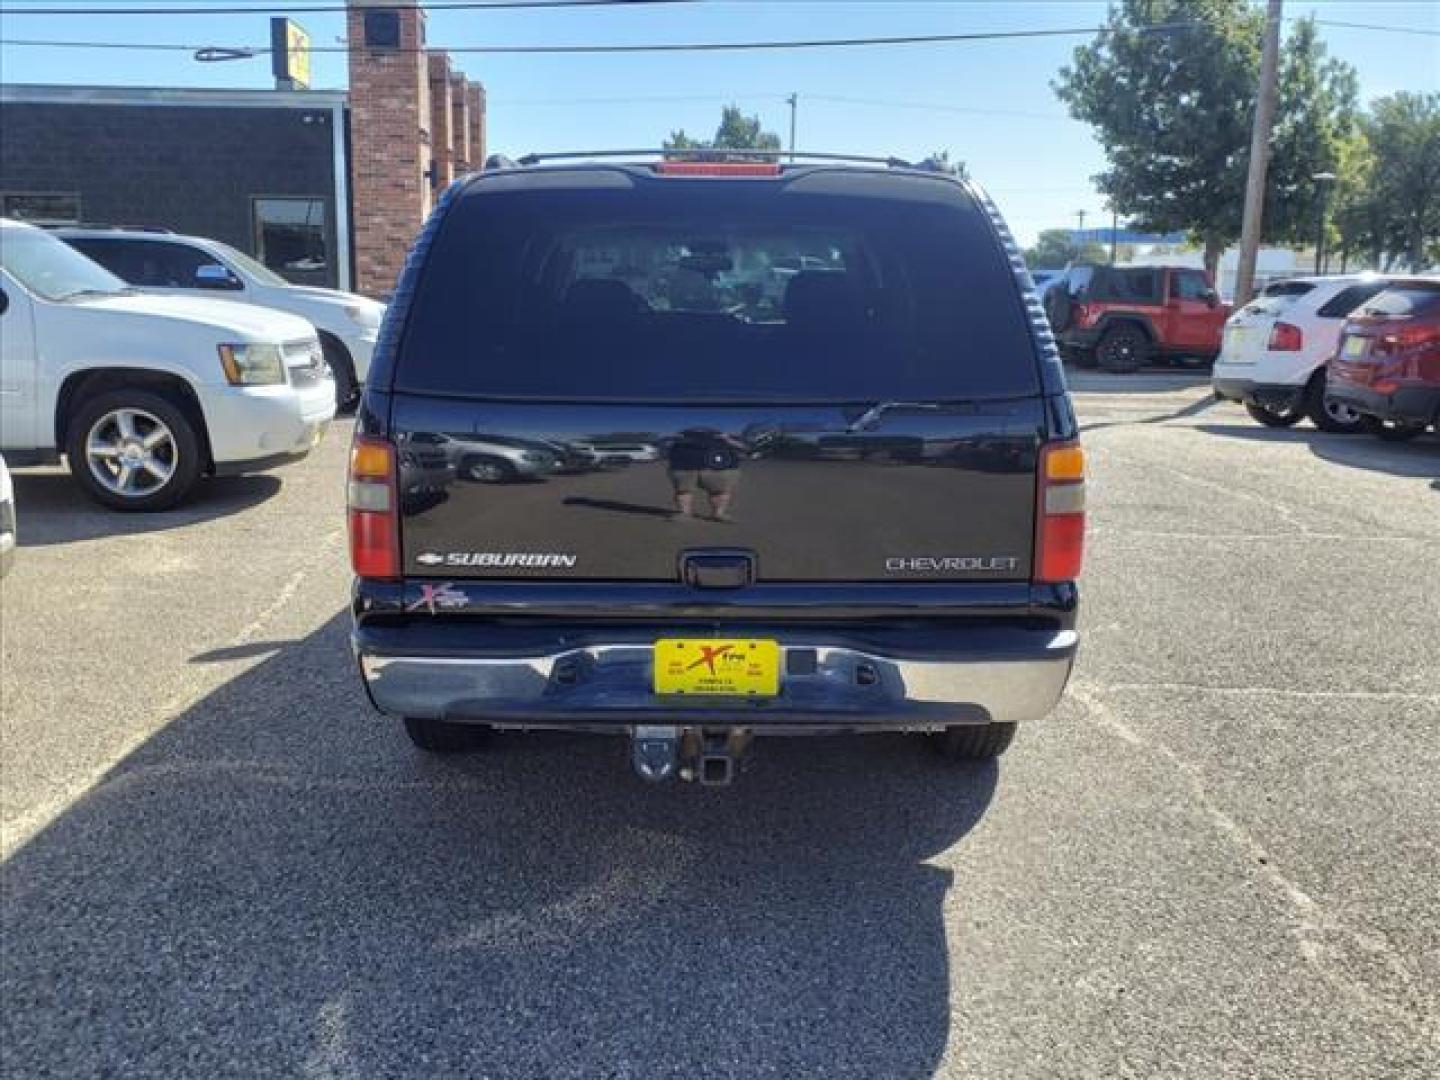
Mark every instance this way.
x=131 y=453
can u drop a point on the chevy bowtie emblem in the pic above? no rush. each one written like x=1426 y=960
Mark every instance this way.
x=429 y=558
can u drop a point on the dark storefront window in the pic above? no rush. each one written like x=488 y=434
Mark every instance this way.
x=41 y=208
x=290 y=238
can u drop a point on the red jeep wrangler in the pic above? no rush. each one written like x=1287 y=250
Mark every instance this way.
x=1121 y=317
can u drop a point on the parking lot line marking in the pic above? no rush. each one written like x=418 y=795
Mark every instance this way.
x=1276 y=691
x=1312 y=923
x=17 y=830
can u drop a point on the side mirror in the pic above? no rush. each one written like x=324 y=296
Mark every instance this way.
x=1212 y=298
x=215 y=276
x=4 y=302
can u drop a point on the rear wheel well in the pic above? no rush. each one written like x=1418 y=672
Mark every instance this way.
x=83 y=385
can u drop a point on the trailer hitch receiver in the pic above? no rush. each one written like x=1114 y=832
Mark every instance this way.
x=655 y=752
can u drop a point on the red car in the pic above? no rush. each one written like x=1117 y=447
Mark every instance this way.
x=1387 y=367
x=1121 y=317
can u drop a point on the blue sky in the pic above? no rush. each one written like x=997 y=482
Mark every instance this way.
x=988 y=103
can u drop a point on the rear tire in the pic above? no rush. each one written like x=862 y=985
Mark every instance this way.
x=483 y=469
x=1271 y=418
x=1391 y=431
x=1123 y=350
x=347 y=387
x=1059 y=309
x=973 y=742
x=444 y=736
x=1329 y=415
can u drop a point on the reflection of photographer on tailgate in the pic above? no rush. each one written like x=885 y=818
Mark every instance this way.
x=705 y=460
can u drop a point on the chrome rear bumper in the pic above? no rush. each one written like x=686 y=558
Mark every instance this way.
x=1008 y=676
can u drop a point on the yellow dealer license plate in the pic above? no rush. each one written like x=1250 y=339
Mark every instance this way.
x=734 y=667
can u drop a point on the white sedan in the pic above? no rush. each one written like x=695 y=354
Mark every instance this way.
x=1273 y=353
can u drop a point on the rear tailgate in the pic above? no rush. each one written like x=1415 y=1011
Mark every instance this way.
x=830 y=374
x=915 y=494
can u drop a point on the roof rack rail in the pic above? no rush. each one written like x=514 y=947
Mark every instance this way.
x=706 y=154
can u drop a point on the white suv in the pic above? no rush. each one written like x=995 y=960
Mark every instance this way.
x=165 y=262
x=1272 y=356
x=144 y=394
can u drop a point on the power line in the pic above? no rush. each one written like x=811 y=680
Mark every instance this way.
x=1417 y=31
x=672 y=47
x=282 y=8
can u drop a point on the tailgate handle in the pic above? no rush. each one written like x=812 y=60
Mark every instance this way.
x=717 y=569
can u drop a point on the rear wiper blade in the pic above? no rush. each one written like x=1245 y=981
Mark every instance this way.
x=871 y=416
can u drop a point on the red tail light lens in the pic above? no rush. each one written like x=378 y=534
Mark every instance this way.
x=1060 y=515
x=373 y=509
x=1285 y=337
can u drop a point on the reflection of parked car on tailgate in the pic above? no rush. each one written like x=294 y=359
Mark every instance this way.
x=164 y=262
x=1121 y=317
x=1275 y=347
x=499 y=459
x=144 y=394
x=620 y=453
x=1387 y=367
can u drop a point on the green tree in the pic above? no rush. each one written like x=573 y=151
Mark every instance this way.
x=1387 y=202
x=1317 y=115
x=1359 y=217
x=736 y=132
x=1055 y=248
x=1174 y=108
x=1403 y=131
x=940 y=161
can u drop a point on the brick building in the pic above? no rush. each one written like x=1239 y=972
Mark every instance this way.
x=325 y=187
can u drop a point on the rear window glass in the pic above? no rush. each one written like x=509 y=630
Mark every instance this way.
x=1415 y=299
x=715 y=290
x=1347 y=300
x=1277 y=296
x=1288 y=288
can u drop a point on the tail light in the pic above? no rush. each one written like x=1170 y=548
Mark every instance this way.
x=373 y=509
x=1084 y=315
x=1285 y=337
x=1060 y=515
x=1411 y=337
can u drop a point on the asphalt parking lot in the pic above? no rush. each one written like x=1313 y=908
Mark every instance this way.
x=1218 y=858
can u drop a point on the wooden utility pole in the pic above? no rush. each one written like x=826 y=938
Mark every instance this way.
x=1259 y=156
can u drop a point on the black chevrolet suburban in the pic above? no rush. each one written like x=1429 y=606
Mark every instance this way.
x=688 y=451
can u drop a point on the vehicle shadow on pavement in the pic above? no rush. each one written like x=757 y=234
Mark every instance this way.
x=276 y=884
x=1418 y=458
x=52 y=510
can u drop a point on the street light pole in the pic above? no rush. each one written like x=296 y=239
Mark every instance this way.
x=793 y=101
x=1080 y=239
x=1114 y=228
x=1322 y=184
